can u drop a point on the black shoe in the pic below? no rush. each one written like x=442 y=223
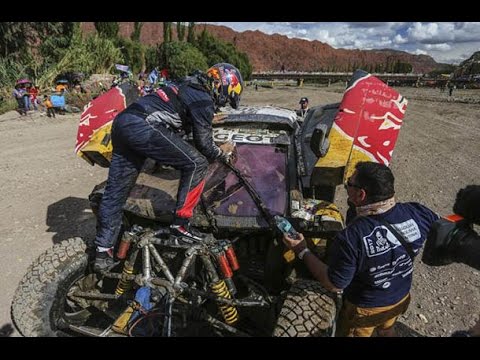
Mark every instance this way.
x=186 y=232
x=103 y=261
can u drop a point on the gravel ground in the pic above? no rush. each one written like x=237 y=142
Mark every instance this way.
x=45 y=189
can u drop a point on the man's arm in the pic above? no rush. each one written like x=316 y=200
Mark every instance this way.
x=202 y=115
x=317 y=267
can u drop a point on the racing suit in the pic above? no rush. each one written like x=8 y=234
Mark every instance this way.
x=152 y=127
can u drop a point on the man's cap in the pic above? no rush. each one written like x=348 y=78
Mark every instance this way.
x=303 y=100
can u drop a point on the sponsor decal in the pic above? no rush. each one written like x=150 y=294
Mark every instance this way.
x=381 y=240
x=163 y=95
x=250 y=137
x=98 y=113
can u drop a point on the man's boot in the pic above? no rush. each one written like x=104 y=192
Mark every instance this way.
x=103 y=261
x=187 y=232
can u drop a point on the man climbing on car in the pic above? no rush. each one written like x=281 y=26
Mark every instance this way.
x=154 y=127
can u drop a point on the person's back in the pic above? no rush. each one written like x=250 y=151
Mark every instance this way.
x=383 y=272
x=153 y=127
x=371 y=260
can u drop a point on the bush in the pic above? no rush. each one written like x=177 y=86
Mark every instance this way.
x=181 y=59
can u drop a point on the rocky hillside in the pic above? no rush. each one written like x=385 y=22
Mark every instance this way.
x=271 y=52
x=470 y=67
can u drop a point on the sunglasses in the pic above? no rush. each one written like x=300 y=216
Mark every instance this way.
x=350 y=184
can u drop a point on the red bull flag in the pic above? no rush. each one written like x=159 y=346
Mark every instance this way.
x=366 y=126
x=93 y=137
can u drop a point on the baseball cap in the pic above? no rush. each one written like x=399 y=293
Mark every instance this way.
x=303 y=100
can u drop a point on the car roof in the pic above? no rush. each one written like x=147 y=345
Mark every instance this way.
x=264 y=114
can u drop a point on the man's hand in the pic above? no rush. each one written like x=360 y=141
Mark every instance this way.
x=297 y=245
x=229 y=152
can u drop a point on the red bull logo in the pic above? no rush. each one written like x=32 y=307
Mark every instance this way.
x=365 y=129
x=373 y=118
x=234 y=82
x=98 y=113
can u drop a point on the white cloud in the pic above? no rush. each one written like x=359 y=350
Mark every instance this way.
x=399 y=39
x=440 y=47
x=420 y=52
x=444 y=41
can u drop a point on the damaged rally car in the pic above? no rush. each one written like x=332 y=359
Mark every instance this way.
x=240 y=281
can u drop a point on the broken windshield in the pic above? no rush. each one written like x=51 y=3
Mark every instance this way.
x=264 y=167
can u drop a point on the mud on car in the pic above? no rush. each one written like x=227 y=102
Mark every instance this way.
x=241 y=280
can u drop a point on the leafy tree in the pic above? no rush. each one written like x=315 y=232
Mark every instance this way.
x=181 y=58
x=167 y=32
x=180 y=31
x=91 y=55
x=191 y=33
x=133 y=54
x=56 y=40
x=14 y=38
x=218 y=51
x=402 y=67
x=137 y=31
x=107 y=30
x=10 y=71
x=151 y=57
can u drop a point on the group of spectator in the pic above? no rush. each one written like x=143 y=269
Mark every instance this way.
x=28 y=98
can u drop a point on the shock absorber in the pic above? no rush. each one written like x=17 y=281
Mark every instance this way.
x=124 y=284
x=225 y=268
x=231 y=256
x=124 y=245
x=229 y=312
x=220 y=289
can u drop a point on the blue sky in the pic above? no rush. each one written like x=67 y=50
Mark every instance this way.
x=446 y=42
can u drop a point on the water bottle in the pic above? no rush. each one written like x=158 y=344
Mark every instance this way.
x=285 y=227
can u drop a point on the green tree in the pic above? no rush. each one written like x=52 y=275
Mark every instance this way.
x=191 y=33
x=180 y=31
x=137 y=31
x=107 y=30
x=133 y=54
x=18 y=37
x=91 y=55
x=151 y=57
x=181 y=58
x=56 y=40
x=218 y=51
x=167 y=32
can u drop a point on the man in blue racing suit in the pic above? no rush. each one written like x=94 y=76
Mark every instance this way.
x=153 y=127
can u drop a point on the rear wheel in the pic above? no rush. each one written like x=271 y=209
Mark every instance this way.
x=307 y=310
x=43 y=304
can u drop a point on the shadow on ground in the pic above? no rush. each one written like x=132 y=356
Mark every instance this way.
x=70 y=217
x=405 y=331
x=6 y=330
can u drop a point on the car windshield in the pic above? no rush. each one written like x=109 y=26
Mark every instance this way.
x=264 y=167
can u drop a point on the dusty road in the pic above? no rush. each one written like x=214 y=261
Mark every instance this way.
x=45 y=189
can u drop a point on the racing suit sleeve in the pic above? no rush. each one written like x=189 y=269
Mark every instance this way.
x=201 y=114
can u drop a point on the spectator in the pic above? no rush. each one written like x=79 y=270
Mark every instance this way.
x=33 y=92
x=368 y=260
x=48 y=106
x=303 y=107
x=18 y=92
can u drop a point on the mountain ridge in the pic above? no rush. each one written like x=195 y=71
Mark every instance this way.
x=267 y=52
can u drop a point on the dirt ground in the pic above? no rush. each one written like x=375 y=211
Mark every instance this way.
x=45 y=189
